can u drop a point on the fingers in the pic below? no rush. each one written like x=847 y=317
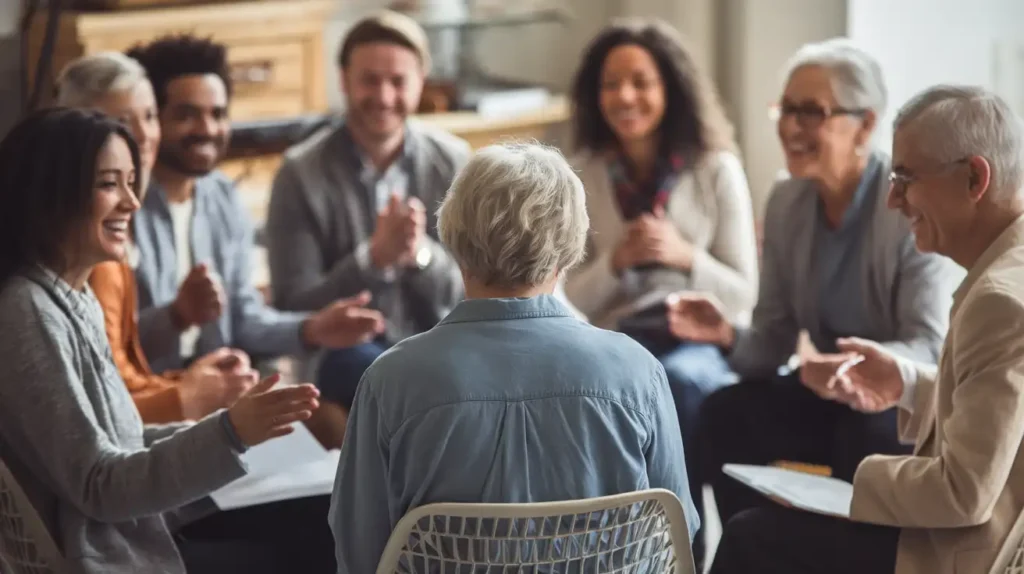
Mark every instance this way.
x=286 y=395
x=265 y=385
x=856 y=345
x=416 y=205
x=214 y=358
x=361 y=299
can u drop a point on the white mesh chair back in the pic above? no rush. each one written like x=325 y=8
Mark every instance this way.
x=25 y=545
x=1010 y=559
x=633 y=533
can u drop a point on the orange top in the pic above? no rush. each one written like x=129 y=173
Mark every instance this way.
x=157 y=397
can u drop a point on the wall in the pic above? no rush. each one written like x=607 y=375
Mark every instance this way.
x=924 y=42
x=541 y=53
x=755 y=40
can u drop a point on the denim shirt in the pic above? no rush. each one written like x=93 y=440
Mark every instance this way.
x=506 y=400
x=222 y=239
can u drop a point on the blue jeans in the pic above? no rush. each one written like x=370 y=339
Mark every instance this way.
x=341 y=369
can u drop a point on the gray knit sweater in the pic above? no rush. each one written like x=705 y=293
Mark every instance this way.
x=74 y=440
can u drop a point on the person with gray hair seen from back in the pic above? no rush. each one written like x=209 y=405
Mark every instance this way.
x=510 y=398
x=836 y=263
x=957 y=177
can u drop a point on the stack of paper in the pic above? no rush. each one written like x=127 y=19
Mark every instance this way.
x=292 y=466
x=821 y=494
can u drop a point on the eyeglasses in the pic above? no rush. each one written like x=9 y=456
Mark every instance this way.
x=899 y=181
x=810 y=115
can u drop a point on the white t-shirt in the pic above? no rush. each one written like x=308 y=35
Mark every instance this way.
x=181 y=219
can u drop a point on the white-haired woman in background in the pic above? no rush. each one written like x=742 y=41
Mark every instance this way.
x=510 y=398
x=836 y=263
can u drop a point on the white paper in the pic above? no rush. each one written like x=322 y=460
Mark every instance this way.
x=298 y=448
x=292 y=466
x=820 y=494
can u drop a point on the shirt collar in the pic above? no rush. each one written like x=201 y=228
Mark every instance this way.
x=865 y=188
x=359 y=159
x=157 y=198
x=78 y=301
x=472 y=310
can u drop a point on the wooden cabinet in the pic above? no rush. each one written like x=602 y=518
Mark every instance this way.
x=275 y=48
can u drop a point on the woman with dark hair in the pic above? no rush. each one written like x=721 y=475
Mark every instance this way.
x=668 y=200
x=68 y=428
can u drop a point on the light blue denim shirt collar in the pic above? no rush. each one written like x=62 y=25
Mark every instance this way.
x=537 y=307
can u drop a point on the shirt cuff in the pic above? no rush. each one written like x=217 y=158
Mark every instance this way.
x=909 y=375
x=229 y=429
x=365 y=262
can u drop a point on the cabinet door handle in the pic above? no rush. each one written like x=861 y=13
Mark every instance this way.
x=252 y=73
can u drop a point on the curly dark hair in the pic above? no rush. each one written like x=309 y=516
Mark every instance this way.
x=47 y=182
x=692 y=107
x=171 y=57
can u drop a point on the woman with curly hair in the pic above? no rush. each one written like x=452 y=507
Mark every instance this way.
x=668 y=199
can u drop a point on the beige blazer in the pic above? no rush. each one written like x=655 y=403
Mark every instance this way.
x=957 y=497
x=710 y=207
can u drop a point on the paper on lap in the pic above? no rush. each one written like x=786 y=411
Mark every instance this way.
x=288 y=467
x=813 y=493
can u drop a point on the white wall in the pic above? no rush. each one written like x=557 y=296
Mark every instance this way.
x=924 y=42
x=756 y=38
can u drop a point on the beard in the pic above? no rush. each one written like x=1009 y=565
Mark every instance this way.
x=177 y=156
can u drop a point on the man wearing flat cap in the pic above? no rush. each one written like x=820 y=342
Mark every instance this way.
x=352 y=208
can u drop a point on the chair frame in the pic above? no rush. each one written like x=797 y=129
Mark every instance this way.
x=673 y=509
x=36 y=533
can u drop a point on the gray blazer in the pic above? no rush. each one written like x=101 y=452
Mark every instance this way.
x=908 y=293
x=317 y=220
x=73 y=438
x=222 y=238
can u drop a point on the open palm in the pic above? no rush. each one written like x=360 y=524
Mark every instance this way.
x=698 y=318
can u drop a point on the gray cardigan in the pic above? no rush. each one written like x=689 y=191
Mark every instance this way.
x=908 y=293
x=74 y=440
x=222 y=237
x=318 y=218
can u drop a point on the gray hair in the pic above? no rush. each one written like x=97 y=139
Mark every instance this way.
x=857 y=79
x=88 y=79
x=961 y=121
x=515 y=215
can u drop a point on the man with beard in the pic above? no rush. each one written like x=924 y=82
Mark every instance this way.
x=195 y=239
x=352 y=208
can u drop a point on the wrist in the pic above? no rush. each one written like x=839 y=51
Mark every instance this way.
x=231 y=431
x=308 y=333
x=178 y=318
x=728 y=338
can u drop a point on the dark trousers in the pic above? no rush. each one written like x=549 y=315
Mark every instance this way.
x=694 y=372
x=341 y=369
x=280 y=537
x=760 y=422
x=779 y=540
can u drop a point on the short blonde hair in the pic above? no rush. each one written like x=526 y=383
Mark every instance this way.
x=515 y=216
x=88 y=79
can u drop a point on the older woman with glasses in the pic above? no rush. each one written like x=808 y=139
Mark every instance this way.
x=836 y=263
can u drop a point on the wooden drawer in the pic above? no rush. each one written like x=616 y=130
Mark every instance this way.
x=275 y=48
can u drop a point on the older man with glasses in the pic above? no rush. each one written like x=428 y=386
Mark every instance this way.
x=958 y=178
x=836 y=263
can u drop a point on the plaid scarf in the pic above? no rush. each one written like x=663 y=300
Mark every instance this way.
x=635 y=200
